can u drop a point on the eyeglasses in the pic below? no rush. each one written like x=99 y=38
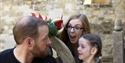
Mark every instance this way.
x=75 y=28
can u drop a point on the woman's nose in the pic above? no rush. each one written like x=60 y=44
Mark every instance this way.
x=72 y=30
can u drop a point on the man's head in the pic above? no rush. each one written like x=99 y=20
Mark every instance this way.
x=33 y=33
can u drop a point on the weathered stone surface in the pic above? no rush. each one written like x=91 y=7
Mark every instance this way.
x=6 y=41
x=118 y=24
x=118 y=45
x=100 y=16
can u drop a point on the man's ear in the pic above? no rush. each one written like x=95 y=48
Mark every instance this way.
x=29 y=41
x=93 y=50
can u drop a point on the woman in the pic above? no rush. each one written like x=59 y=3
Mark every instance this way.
x=89 y=50
x=76 y=26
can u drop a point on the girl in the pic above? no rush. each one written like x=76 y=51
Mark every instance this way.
x=89 y=49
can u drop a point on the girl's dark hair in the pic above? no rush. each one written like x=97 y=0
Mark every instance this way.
x=95 y=41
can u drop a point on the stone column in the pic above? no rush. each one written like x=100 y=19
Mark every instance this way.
x=118 y=44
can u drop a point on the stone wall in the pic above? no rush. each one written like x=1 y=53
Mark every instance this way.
x=101 y=17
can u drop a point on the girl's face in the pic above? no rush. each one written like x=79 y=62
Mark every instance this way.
x=84 y=49
x=74 y=30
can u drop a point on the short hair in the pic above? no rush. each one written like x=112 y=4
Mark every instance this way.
x=27 y=27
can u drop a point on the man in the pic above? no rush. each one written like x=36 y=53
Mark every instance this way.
x=31 y=36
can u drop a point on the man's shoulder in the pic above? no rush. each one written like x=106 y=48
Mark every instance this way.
x=5 y=52
x=7 y=56
x=48 y=59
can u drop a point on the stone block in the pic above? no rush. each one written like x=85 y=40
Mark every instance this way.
x=118 y=47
